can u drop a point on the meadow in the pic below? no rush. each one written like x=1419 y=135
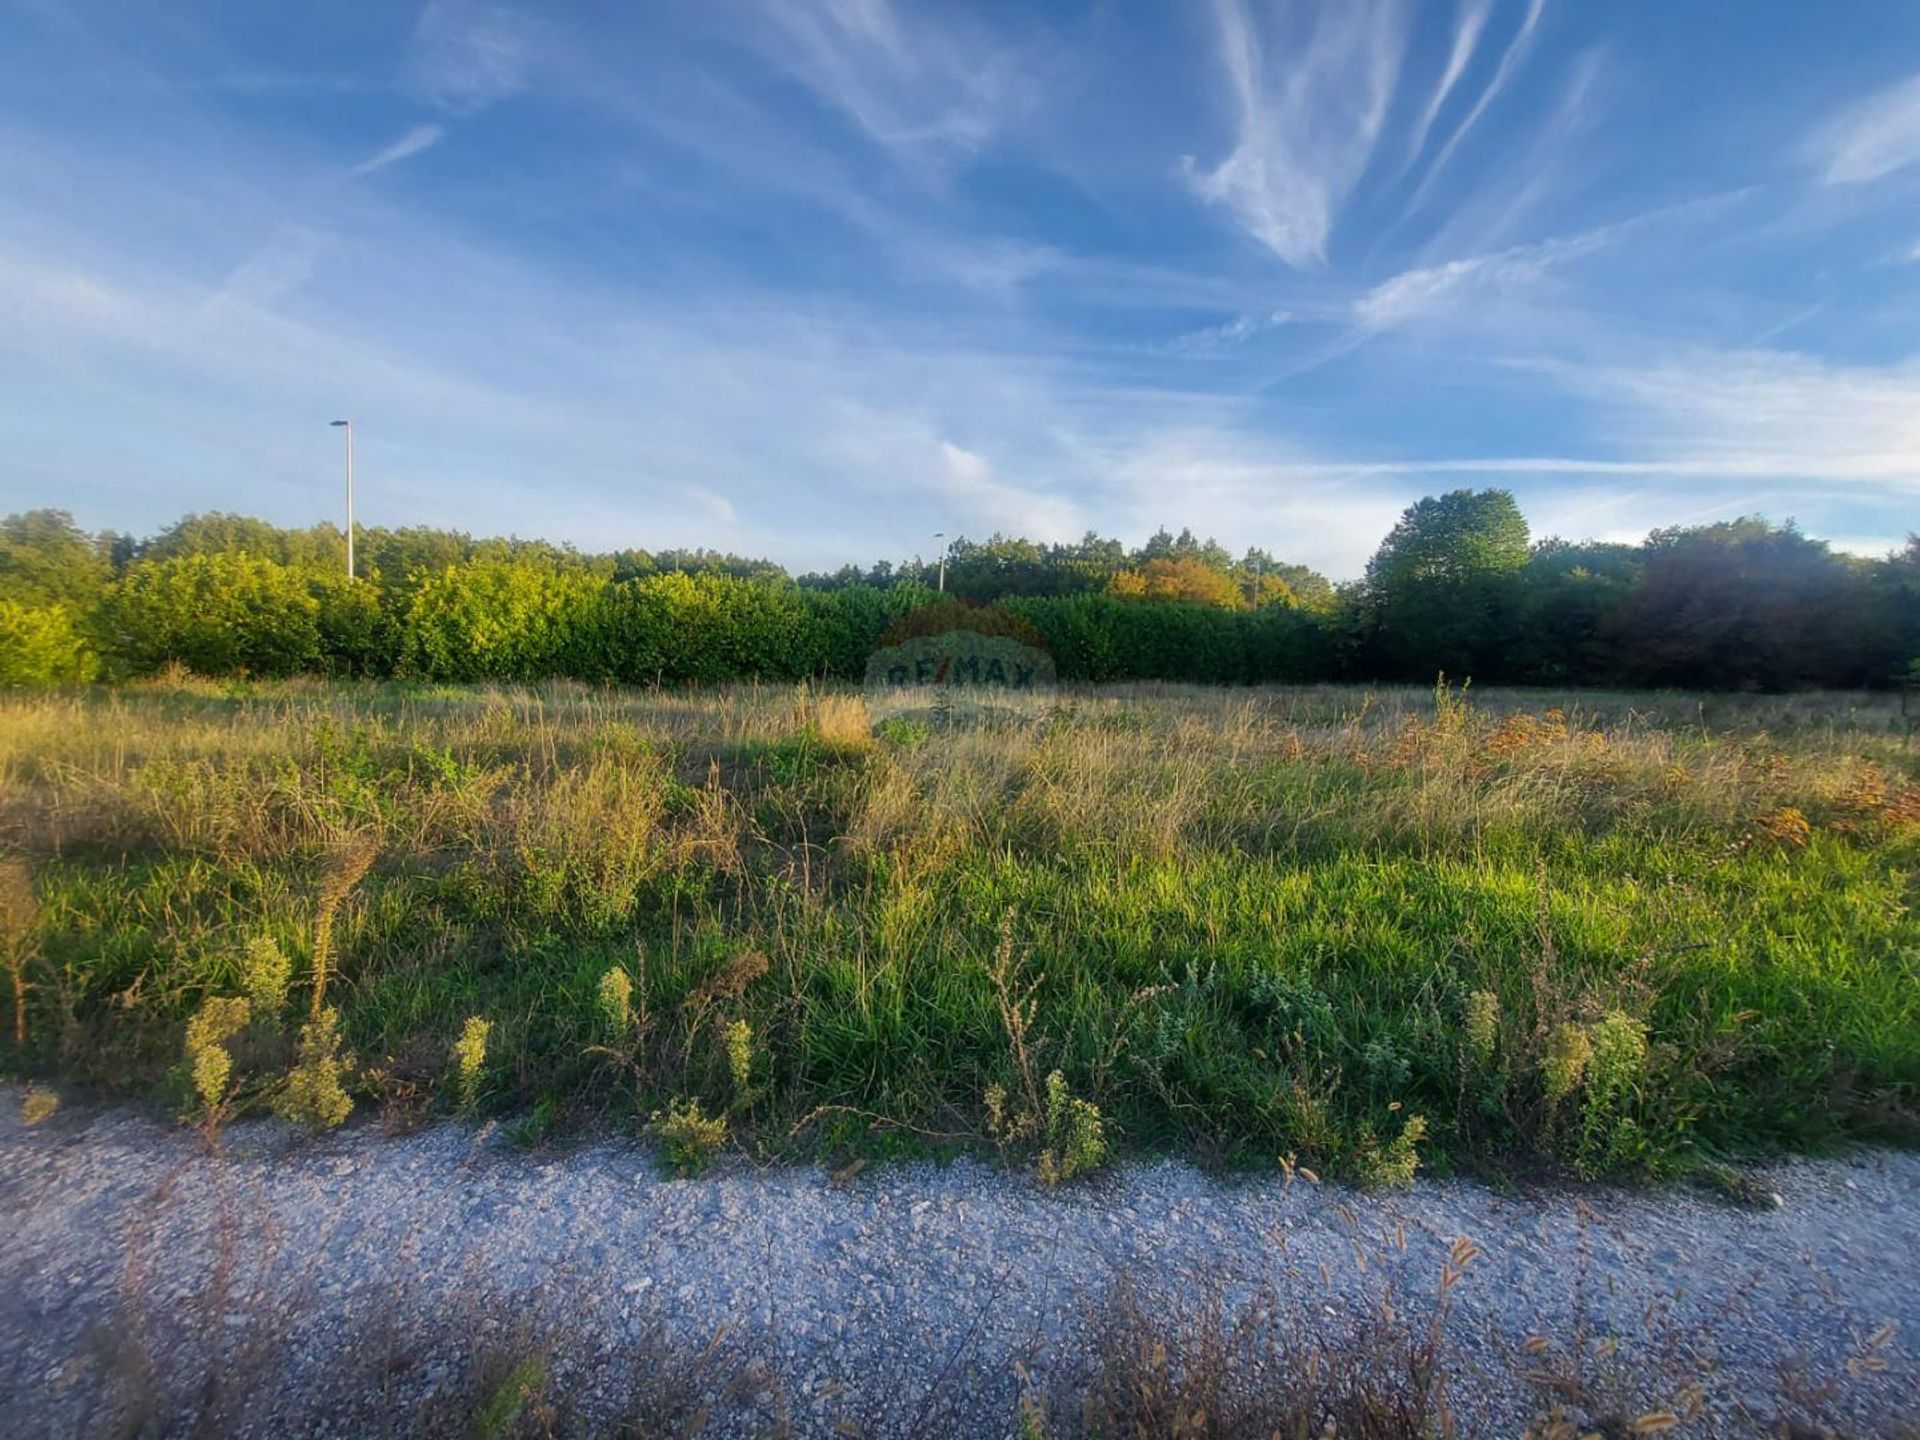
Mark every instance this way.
x=1341 y=929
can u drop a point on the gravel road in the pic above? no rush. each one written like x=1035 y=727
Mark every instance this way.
x=906 y=1300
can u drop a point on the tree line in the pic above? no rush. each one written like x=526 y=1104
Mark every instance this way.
x=1459 y=586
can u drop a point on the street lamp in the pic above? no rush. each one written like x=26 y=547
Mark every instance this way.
x=941 y=536
x=347 y=425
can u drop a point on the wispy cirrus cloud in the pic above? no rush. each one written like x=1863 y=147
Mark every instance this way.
x=1466 y=39
x=468 y=54
x=1213 y=339
x=1766 y=414
x=1511 y=59
x=1310 y=102
x=1429 y=291
x=928 y=86
x=416 y=140
x=1871 y=139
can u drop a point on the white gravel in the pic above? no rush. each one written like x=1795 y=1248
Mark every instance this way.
x=907 y=1300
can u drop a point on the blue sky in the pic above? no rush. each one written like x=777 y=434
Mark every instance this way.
x=817 y=278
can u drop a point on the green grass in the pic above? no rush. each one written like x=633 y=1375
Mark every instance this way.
x=1252 y=924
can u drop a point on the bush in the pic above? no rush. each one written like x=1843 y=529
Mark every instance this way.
x=40 y=646
x=498 y=620
x=358 y=633
x=216 y=614
x=675 y=628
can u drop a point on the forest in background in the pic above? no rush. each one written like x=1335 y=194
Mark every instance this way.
x=1458 y=587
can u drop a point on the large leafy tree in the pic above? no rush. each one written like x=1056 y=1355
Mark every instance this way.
x=47 y=559
x=1443 y=591
x=1745 y=604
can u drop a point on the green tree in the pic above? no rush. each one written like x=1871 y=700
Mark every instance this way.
x=317 y=547
x=1443 y=590
x=1568 y=592
x=1745 y=604
x=46 y=559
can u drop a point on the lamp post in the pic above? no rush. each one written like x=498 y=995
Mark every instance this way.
x=941 y=536
x=347 y=425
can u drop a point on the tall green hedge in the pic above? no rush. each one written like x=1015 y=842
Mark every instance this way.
x=503 y=618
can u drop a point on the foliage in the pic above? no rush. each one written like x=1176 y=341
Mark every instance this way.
x=497 y=619
x=1454 y=589
x=1186 y=578
x=688 y=1135
x=209 y=1062
x=1248 y=924
x=265 y=975
x=40 y=645
x=1076 y=1140
x=314 y=1094
x=1443 y=592
x=470 y=1059
x=217 y=613
x=45 y=559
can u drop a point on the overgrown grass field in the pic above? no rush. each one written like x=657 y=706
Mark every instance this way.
x=1347 y=930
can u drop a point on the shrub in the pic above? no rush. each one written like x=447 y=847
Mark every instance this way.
x=499 y=620
x=216 y=614
x=1391 y=1165
x=39 y=645
x=1076 y=1135
x=359 y=635
x=674 y=628
x=1483 y=1027
x=689 y=1135
x=315 y=1095
x=1610 y=1137
x=265 y=974
x=209 y=1063
x=614 y=997
x=739 y=1043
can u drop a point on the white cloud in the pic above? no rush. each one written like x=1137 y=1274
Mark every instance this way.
x=1765 y=414
x=983 y=500
x=1213 y=339
x=1510 y=61
x=283 y=265
x=924 y=87
x=420 y=137
x=468 y=54
x=1421 y=294
x=1466 y=37
x=1876 y=137
x=716 y=507
x=1310 y=108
